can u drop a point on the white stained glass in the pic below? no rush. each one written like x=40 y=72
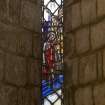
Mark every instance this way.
x=52 y=6
x=46 y=2
x=46 y=15
x=52 y=97
x=46 y=102
x=58 y=1
x=58 y=102
x=59 y=92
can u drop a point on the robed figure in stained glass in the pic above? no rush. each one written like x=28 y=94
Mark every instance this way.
x=52 y=65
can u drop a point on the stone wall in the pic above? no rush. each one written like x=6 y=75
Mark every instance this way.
x=20 y=52
x=84 y=52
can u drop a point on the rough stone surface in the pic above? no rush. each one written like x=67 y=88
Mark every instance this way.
x=100 y=66
x=34 y=70
x=104 y=63
x=30 y=19
x=84 y=52
x=36 y=47
x=70 y=48
x=68 y=19
x=24 y=43
x=68 y=2
x=82 y=40
x=99 y=94
x=68 y=99
x=98 y=35
x=35 y=96
x=71 y=73
x=87 y=70
x=15 y=70
x=8 y=95
x=20 y=52
x=2 y=60
x=17 y=41
x=24 y=96
x=19 y=75
x=100 y=7
x=88 y=9
x=14 y=11
x=83 y=96
x=76 y=16
x=3 y=9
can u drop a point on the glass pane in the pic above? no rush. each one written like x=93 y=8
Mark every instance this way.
x=46 y=14
x=46 y=2
x=46 y=102
x=52 y=97
x=52 y=57
x=58 y=102
x=59 y=1
x=52 y=6
x=59 y=92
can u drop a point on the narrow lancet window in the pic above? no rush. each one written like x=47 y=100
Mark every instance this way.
x=52 y=57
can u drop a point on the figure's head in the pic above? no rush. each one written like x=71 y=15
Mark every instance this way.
x=51 y=37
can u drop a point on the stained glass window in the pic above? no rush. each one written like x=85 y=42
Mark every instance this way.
x=52 y=63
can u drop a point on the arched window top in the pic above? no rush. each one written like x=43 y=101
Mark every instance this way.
x=52 y=56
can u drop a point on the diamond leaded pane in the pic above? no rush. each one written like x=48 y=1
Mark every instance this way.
x=52 y=6
x=52 y=57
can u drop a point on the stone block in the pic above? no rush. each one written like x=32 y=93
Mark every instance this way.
x=18 y=41
x=99 y=94
x=98 y=35
x=37 y=2
x=76 y=15
x=2 y=60
x=68 y=2
x=3 y=10
x=24 y=96
x=15 y=70
x=100 y=65
x=82 y=40
x=88 y=11
x=69 y=42
x=68 y=96
x=30 y=16
x=100 y=7
x=67 y=19
x=37 y=46
x=34 y=72
x=83 y=96
x=103 y=63
x=29 y=96
x=35 y=96
x=87 y=69
x=14 y=11
x=71 y=72
x=23 y=43
x=8 y=95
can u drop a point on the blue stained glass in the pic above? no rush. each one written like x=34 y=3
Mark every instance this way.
x=46 y=89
